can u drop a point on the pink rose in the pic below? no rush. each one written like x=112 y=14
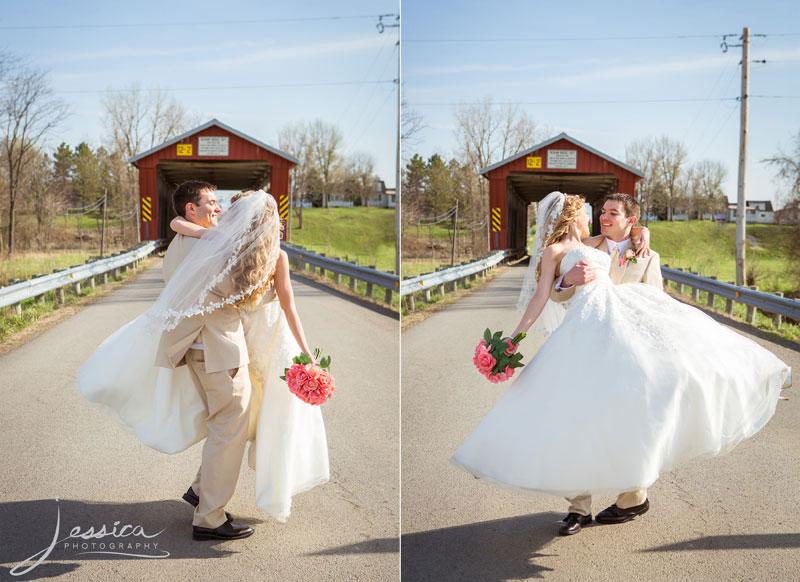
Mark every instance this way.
x=485 y=361
x=324 y=379
x=313 y=371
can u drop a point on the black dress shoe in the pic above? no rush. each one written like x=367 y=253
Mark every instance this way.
x=615 y=514
x=573 y=523
x=191 y=498
x=227 y=531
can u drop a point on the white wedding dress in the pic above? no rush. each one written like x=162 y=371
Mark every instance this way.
x=631 y=384
x=288 y=447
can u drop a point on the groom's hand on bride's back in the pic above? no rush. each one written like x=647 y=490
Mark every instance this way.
x=580 y=274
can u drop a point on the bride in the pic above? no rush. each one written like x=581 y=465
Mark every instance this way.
x=630 y=384
x=164 y=408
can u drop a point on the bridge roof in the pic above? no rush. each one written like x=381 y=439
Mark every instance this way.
x=217 y=123
x=552 y=140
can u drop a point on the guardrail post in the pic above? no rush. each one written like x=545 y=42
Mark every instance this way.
x=76 y=288
x=695 y=294
x=104 y=278
x=39 y=298
x=440 y=289
x=353 y=282
x=60 y=296
x=337 y=278
x=426 y=295
x=369 y=290
x=115 y=274
x=92 y=283
x=454 y=285
x=750 y=316
x=777 y=317
x=729 y=302
x=388 y=296
x=711 y=296
x=410 y=302
x=16 y=308
x=679 y=286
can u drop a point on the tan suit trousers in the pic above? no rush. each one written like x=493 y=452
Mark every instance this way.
x=227 y=396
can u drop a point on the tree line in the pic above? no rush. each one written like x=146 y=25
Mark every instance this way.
x=40 y=185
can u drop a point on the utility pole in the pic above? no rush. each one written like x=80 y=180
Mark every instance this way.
x=103 y=229
x=741 y=200
x=455 y=235
x=397 y=251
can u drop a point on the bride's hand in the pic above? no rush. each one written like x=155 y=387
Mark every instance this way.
x=641 y=240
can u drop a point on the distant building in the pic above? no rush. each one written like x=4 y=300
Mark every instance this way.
x=757 y=212
x=383 y=197
x=790 y=214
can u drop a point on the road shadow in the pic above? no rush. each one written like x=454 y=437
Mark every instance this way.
x=733 y=542
x=490 y=551
x=361 y=302
x=378 y=546
x=29 y=527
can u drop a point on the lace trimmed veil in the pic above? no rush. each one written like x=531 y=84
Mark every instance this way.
x=247 y=235
x=549 y=209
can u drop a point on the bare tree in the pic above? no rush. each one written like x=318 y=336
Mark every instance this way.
x=294 y=139
x=325 y=141
x=788 y=168
x=137 y=120
x=411 y=123
x=671 y=159
x=707 y=193
x=29 y=112
x=358 y=177
x=642 y=155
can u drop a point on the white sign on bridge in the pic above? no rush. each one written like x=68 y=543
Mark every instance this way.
x=562 y=159
x=212 y=146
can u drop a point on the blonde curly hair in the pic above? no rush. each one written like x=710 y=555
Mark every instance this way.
x=253 y=267
x=573 y=206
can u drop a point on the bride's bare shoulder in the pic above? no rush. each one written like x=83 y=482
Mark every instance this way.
x=555 y=252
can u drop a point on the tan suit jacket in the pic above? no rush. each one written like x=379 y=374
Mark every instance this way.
x=647 y=270
x=221 y=331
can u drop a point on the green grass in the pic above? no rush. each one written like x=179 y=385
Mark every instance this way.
x=26 y=264
x=365 y=234
x=710 y=249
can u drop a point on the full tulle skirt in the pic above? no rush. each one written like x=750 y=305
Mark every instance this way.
x=630 y=385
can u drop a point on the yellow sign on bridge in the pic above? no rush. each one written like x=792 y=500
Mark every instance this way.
x=147 y=210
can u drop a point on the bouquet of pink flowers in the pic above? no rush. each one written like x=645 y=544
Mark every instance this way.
x=496 y=357
x=312 y=383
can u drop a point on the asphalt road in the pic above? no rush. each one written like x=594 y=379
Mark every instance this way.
x=55 y=445
x=729 y=518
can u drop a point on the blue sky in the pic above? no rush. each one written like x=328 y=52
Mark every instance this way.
x=204 y=61
x=437 y=75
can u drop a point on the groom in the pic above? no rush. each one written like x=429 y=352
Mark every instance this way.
x=213 y=346
x=620 y=213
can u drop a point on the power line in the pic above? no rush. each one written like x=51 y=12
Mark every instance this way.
x=607 y=101
x=179 y=24
x=234 y=87
x=578 y=38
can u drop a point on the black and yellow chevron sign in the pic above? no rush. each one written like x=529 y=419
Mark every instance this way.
x=147 y=209
x=283 y=206
x=496 y=219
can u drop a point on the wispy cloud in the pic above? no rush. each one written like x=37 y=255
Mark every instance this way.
x=491 y=68
x=288 y=53
x=138 y=52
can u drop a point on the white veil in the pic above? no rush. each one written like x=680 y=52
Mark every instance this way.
x=549 y=209
x=243 y=249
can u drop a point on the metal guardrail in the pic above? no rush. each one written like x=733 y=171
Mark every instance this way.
x=371 y=276
x=14 y=295
x=453 y=275
x=753 y=298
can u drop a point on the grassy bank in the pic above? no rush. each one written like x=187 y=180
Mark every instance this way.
x=710 y=248
x=24 y=265
x=366 y=234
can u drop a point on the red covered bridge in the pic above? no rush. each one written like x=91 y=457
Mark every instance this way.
x=561 y=163
x=215 y=153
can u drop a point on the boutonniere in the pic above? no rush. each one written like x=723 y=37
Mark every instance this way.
x=628 y=257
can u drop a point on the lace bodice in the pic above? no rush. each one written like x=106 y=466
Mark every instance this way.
x=598 y=260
